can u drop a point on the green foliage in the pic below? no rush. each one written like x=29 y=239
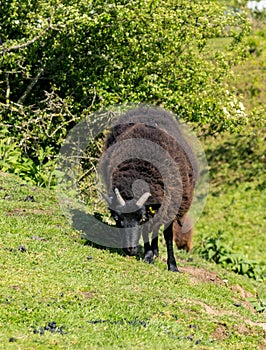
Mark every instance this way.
x=10 y=153
x=252 y=74
x=40 y=127
x=106 y=52
x=13 y=160
x=61 y=60
x=215 y=249
x=258 y=304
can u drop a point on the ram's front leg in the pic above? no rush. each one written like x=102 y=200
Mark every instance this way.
x=154 y=244
x=148 y=252
x=168 y=235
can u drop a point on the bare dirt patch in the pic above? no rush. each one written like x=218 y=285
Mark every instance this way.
x=88 y=295
x=2 y=174
x=241 y=292
x=243 y=295
x=200 y=275
x=243 y=329
x=220 y=332
x=23 y=211
x=260 y=324
x=210 y=310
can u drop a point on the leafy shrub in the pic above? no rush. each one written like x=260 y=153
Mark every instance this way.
x=63 y=60
x=96 y=54
x=10 y=153
x=258 y=304
x=214 y=249
x=13 y=160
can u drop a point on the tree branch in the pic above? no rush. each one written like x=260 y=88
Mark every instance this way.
x=7 y=89
x=31 y=85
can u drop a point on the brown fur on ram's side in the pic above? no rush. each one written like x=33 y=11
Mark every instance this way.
x=183 y=233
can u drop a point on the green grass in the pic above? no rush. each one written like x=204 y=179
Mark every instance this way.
x=240 y=214
x=110 y=301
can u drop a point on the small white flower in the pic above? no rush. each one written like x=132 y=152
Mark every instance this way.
x=241 y=106
x=227 y=114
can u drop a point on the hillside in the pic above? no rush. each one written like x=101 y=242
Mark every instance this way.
x=58 y=292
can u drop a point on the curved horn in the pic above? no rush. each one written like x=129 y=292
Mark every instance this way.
x=143 y=199
x=119 y=198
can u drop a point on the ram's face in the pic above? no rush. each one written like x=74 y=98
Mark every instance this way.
x=130 y=224
x=129 y=216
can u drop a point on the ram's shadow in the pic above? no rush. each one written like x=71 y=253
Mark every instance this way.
x=98 y=234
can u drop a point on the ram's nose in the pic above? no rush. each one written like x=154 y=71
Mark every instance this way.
x=131 y=251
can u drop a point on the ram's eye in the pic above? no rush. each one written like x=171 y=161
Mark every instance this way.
x=115 y=217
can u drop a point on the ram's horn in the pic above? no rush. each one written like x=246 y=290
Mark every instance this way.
x=119 y=198
x=143 y=199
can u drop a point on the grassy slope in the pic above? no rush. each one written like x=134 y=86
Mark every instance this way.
x=109 y=301
x=240 y=214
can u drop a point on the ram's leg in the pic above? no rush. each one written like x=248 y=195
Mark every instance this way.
x=148 y=253
x=168 y=235
x=154 y=244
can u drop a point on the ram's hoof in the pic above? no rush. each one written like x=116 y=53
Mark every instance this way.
x=149 y=258
x=173 y=268
x=156 y=252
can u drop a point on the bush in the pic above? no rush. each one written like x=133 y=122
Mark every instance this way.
x=13 y=160
x=61 y=61
x=214 y=249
